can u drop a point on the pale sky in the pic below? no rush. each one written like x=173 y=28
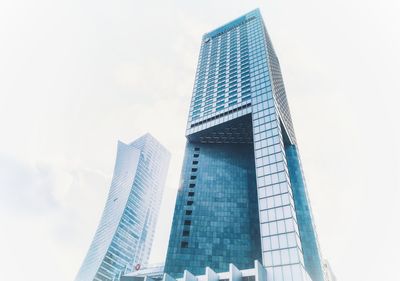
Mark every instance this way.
x=76 y=76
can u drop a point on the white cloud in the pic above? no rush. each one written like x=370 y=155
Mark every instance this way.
x=26 y=189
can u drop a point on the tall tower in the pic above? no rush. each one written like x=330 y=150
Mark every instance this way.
x=242 y=195
x=328 y=272
x=125 y=233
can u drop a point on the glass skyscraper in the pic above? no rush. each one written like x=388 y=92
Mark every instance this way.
x=242 y=195
x=125 y=233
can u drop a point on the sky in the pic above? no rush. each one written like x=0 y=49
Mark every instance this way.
x=77 y=76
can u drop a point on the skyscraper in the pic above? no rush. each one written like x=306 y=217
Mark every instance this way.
x=242 y=195
x=125 y=233
x=328 y=272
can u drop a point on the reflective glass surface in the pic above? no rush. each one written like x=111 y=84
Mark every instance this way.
x=125 y=233
x=239 y=117
x=222 y=188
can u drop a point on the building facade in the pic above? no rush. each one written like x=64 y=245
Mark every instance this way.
x=125 y=233
x=328 y=272
x=242 y=195
x=152 y=271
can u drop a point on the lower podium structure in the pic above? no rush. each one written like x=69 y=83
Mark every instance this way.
x=257 y=273
x=149 y=272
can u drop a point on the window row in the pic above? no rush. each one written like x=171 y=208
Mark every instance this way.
x=275 y=201
x=265 y=112
x=276 y=214
x=278 y=227
x=263 y=143
x=284 y=257
x=275 y=189
x=221 y=115
x=281 y=241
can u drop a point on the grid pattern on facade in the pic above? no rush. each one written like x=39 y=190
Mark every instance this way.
x=307 y=232
x=222 y=78
x=279 y=89
x=221 y=187
x=283 y=247
x=125 y=233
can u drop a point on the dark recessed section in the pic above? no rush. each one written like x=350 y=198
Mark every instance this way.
x=196 y=155
x=238 y=130
x=189 y=203
x=184 y=244
x=185 y=233
x=192 y=177
x=194 y=170
x=188 y=222
x=192 y=185
x=191 y=194
x=197 y=149
x=188 y=212
x=220 y=115
x=195 y=162
x=285 y=135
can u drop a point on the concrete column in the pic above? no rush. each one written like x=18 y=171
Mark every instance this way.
x=234 y=273
x=188 y=276
x=211 y=275
x=261 y=273
x=166 y=277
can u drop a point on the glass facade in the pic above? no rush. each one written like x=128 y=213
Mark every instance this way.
x=231 y=202
x=125 y=233
x=242 y=195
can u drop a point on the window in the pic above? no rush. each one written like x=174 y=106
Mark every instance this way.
x=249 y=278
x=195 y=162
x=191 y=194
x=192 y=185
x=291 y=239
x=189 y=203
x=188 y=222
x=245 y=83
x=197 y=149
x=192 y=177
x=184 y=244
x=194 y=169
x=196 y=155
x=188 y=212
x=185 y=233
